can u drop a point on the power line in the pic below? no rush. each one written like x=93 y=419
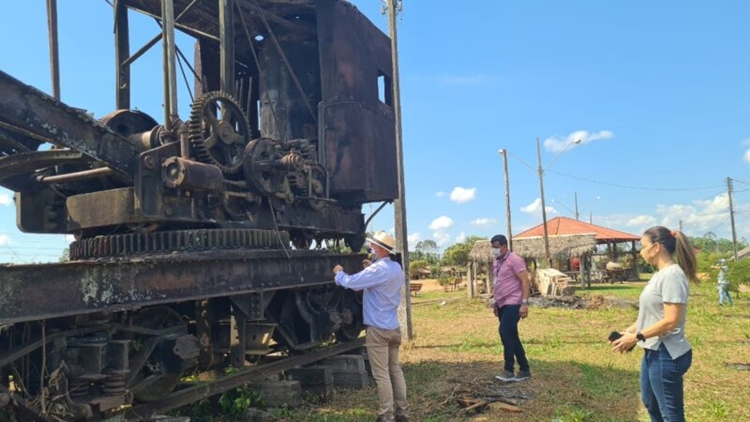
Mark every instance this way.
x=634 y=187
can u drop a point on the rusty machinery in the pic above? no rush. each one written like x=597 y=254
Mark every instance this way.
x=193 y=236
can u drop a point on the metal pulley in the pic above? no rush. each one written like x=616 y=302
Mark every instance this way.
x=180 y=173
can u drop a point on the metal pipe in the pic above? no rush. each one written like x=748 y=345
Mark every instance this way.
x=226 y=46
x=170 y=71
x=74 y=177
x=122 y=51
x=54 y=57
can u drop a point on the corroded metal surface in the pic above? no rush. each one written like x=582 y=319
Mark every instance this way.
x=28 y=108
x=177 y=241
x=257 y=373
x=55 y=290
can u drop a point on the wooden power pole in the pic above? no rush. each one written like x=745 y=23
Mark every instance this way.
x=400 y=204
x=731 y=216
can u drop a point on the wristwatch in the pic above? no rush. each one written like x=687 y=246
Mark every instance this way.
x=640 y=336
x=525 y=302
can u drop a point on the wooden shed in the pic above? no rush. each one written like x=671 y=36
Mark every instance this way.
x=562 y=247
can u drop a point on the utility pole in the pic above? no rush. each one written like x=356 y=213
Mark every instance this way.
x=504 y=153
x=575 y=194
x=544 y=208
x=731 y=216
x=680 y=225
x=399 y=204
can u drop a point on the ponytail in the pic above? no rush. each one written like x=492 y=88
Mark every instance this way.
x=677 y=244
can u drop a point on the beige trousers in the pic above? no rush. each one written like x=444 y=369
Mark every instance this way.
x=382 y=351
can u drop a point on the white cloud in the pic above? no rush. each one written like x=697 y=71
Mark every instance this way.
x=460 y=195
x=461 y=237
x=746 y=156
x=641 y=221
x=441 y=237
x=483 y=222
x=5 y=199
x=556 y=144
x=441 y=223
x=536 y=207
x=440 y=194
x=4 y=239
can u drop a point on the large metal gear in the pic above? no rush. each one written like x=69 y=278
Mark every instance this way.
x=127 y=245
x=218 y=131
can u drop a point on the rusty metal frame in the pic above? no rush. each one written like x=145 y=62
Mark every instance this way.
x=257 y=373
x=29 y=291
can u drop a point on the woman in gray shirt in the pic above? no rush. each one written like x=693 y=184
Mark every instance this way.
x=660 y=328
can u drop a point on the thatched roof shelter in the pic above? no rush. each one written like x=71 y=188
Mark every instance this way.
x=561 y=247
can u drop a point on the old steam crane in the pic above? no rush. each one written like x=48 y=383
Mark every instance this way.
x=193 y=236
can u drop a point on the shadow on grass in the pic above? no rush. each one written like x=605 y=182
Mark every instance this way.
x=566 y=391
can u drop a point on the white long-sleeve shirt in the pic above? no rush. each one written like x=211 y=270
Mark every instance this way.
x=381 y=282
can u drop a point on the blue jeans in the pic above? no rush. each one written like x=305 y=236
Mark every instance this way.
x=509 y=315
x=724 y=294
x=661 y=384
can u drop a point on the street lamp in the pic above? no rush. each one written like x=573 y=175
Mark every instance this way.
x=507 y=197
x=541 y=191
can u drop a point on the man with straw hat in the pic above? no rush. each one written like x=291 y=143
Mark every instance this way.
x=381 y=281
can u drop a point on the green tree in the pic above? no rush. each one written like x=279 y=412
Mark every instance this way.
x=65 y=257
x=415 y=266
x=739 y=273
x=458 y=254
x=428 y=250
x=710 y=243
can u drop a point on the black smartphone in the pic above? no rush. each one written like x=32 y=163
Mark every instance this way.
x=614 y=335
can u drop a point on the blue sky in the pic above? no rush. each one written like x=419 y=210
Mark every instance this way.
x=659 y=93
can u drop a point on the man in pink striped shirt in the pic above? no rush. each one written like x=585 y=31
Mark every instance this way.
x=511 y=293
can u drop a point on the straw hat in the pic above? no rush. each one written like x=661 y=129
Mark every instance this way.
x=383 y=240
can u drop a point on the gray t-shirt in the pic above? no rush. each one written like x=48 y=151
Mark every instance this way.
x=669 y=285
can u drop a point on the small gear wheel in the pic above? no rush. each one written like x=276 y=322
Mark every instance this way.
x=218 y=131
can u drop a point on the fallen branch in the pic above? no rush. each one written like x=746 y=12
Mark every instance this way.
x=451 y=396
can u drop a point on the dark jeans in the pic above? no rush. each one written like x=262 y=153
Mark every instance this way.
x=512 y=347
x=661 y=384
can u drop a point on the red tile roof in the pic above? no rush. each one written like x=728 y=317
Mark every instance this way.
x=567 y=226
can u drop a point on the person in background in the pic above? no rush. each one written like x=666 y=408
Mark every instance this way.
x=724 y=283
x=512 y=288
x=381 y=280
x=660 y=327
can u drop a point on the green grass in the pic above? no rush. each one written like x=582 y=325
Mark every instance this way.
x=576 y=377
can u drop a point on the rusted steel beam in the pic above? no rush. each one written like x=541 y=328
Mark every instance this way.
x=226 y=45
x=54 y=56
x=34 y=292
x=122 y=51
x=30 y=109
x=170 y=71
x=258 y=373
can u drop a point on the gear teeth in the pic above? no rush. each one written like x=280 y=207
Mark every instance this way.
x=133 y=244
x=195 y=129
